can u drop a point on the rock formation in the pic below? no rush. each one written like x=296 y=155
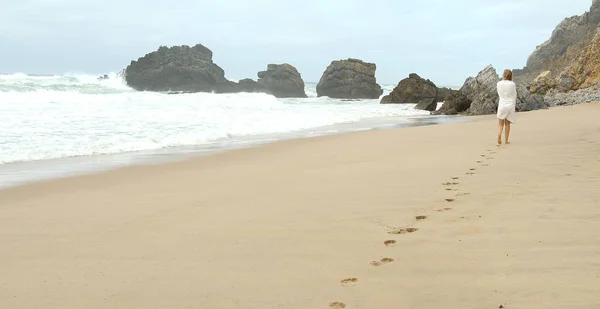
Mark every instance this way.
x=349 y=79
x=412 y=90
x=178 y=68
x=249 y=85
x=283 y=81
x=427 y=104
x=479 y=96
x=443 y=93
x=455 y=103
x=570 y=56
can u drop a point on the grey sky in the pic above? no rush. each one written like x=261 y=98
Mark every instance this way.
x=442 y=40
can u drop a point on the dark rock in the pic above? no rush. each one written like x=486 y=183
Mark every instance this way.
x=283 y=81
x=103 y=77
x=178 y=68
x=349 y=79
x=456 y=102
x=529 y=102
x=482 y=92
x=249 y=85
x=427 y=104
x=412 y=90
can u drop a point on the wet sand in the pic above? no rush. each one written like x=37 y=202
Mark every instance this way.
x=422 y=217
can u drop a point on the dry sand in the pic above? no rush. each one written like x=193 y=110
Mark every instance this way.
x=282 y=225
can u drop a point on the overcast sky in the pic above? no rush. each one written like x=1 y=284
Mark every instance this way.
x=442 y=40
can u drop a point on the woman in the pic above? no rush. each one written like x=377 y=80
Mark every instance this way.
x=507 y=92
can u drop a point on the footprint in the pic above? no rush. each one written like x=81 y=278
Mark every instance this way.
x=451 y=183
x=449 y=189
x=449 y=200
x=479 y=161
x=337 y=305
x=389 y=243
x=444 y=209
x=382 y=262
x=470 y=173
x=403 y=231
x=454 y=178
x=463 y=194
x=419 y=218
x=349 y=282
x=471 y=169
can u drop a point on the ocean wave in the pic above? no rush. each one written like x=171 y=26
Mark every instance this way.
x=48 y=117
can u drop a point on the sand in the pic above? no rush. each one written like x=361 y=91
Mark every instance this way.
x=327 y=222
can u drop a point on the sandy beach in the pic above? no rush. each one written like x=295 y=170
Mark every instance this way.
x=422 y=217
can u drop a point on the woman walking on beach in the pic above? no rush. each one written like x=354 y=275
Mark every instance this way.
x=507 y=92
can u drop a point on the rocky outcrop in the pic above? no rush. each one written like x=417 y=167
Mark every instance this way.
x=349 y=79
x=412 y=90
x=481 y=90
x=249 y=85
x=427 y=104
x=283 y=81
x=103 y=77
x=444 y=92
x=178 y=69
x=456 y=103
x=529 y=102
x=479 y=96
x=570 y=55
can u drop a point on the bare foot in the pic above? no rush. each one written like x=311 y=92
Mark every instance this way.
x=499 y=140
x=507 y=142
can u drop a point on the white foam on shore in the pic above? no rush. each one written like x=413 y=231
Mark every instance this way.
x=49 y=117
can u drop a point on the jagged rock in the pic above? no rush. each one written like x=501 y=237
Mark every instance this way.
x=455 y=103
x=427 y=105
x=584 y=71
x=178 y=68
x=283 y=81
x=527 y=101
x=103 y=77
x=479 y=96
x=412 y=90
x=542 y=83
x=249 y=85
x=590 y=94
x=481 y=90
x=349 y=79
x=566 y=44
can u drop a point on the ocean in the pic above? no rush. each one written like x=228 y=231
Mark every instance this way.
x=54 y=126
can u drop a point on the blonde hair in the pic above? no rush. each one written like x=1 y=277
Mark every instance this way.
x=507 y=75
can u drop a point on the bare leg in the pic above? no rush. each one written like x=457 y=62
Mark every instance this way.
x=507 y=131
x=500 y=128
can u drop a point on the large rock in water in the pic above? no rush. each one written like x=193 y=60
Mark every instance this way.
x=412 y=90
x=349 y=79
x=249 y=85
x=178 y=68
x=479 y=96
x=282 y=80
x=571 y=55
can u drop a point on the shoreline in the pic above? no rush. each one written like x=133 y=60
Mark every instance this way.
x=419 y=217
x=24 y=172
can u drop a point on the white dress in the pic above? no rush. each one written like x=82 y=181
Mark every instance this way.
x=507 y=91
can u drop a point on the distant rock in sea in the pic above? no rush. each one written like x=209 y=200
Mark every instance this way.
x=249 y=85
x=282 y=81
x=412 y=90
x=349 y=79
x=103 y=77
x=179 y=69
